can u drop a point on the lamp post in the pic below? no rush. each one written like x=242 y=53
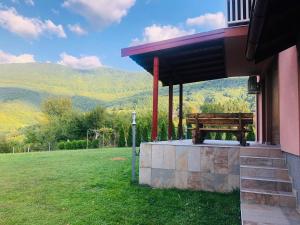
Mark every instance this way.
x=133 y=146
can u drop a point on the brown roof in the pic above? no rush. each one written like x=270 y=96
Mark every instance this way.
x=204 y=56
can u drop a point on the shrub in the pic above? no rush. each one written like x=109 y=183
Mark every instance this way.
x=211 y=136
x=68 y=145
x=174 y=137
x=61 y=145
x=218 y=136
x=251 y=134
x=229 y=136
x=163 y=132
x=94 y=144
x=4 y=146
x=145 y=134
x=138 y=136
x=129 y=137
x=122 y=141
x=81 y=144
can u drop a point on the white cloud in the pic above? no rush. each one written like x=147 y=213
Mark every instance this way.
x=6 y=58
x=77 y=29
x=208 y=20
x=100 y=13
x=30 y=28
x=80 y=63
x=158 y=33
x=29 y=2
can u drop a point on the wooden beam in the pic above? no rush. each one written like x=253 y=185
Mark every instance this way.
x=180 y=127
x=170 y=128
x=155 y=98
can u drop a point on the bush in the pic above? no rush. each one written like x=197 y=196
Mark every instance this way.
x=129 y=137
x=229 y=136
x=122 y=141
x=163 y=132
x=4 y=146
x=81 y=144
x=251 y=134
x=145 y=134
x=94 y=144
x=218 y=136
x=61 y=145
x=68 y=145
x=211 y=136
x=138 y=136
x=174 y=137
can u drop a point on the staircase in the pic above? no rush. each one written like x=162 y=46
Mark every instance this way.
x=264 y=178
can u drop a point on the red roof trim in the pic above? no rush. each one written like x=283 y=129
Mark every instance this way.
x=172 y=43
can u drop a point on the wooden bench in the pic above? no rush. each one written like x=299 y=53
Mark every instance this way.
x=203 y=123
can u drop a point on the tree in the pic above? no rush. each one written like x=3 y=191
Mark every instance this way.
x=96 y=118
x=174 y=137
x=145 y=134
x=57 y=106
x=229 y=136
x=163 y=132
x=251 y=134
x=4 y=145
x=189 y=131
x=122 y=141
x=138 y=135
x=129 y=137
x=218 y=136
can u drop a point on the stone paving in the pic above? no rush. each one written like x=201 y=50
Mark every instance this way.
x=179 y=164
x=254 y=214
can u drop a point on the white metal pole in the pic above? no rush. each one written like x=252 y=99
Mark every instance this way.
x=133 y=146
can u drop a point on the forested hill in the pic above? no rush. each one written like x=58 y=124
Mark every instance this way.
x=24 y=86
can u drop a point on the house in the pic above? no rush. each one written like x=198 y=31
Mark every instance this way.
x=268 y=171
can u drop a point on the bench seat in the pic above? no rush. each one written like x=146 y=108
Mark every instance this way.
x=204 y=123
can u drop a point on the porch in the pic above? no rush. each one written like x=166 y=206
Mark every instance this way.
x=211 y=166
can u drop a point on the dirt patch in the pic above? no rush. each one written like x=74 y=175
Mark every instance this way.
x=118 y=159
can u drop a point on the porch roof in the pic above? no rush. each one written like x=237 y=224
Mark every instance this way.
x=203 y=56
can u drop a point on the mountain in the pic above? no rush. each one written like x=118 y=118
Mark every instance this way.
x=24 y=86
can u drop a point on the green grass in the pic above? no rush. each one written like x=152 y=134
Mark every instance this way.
x=89 y=187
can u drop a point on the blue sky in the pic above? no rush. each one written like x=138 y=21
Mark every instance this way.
x=85 y=34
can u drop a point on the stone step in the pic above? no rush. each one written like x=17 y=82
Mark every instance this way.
x=261 y=151
x=264 y=172
x=263 y=161
x=266 y=197
x=266 y=184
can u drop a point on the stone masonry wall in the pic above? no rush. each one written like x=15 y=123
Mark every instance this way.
x=208 y=168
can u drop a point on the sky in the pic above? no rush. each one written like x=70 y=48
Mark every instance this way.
x=85 y=34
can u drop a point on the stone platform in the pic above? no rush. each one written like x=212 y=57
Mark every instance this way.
x=212 y=166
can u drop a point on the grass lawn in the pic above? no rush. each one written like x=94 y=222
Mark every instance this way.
x=93 y=187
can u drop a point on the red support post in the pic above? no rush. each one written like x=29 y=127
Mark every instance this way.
x=170 y=128
x=180 y=128
x=155 y=98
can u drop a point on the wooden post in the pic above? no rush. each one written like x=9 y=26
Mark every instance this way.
x=170 y=128
x=180 y=128
x=155 y=98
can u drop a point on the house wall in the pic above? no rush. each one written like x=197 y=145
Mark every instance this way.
x=289 y=82
x=289 y=97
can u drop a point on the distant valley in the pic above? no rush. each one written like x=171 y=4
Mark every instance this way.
x=24 y=86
